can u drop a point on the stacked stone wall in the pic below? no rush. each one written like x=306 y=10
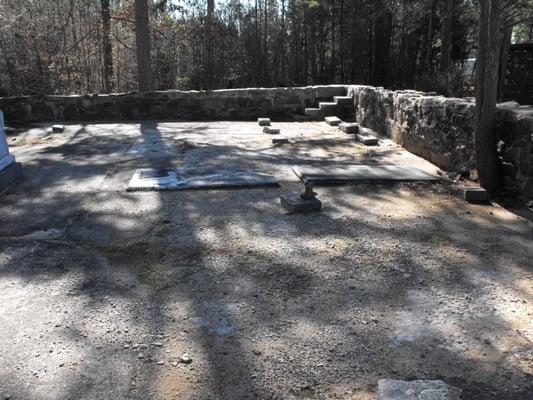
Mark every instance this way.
x=437 y=128
x=441 y=130
x=241 y=104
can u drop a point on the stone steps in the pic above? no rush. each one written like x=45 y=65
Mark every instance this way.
x=345 y=101
x=341 y=106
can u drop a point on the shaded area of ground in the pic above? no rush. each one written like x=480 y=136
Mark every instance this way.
x=102 y=291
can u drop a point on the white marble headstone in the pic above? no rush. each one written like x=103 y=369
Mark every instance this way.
x=5 y=158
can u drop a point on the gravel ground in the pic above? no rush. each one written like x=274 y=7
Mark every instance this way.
x=106 y=294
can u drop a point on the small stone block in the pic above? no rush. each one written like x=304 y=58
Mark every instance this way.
x=349 y=127
x=475 y=195
x=263 y=121
x=58 y=128
x=271 y=131
x=280 y=141
x=333 y=121
x=295 y=204
x=367 y=139
x=391 y=389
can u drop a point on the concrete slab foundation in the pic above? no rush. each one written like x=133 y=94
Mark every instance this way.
x=177 y=179
x=295 y=204
x=361 y=173
x=475 y=195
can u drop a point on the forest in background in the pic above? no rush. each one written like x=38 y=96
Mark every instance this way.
x=90 y=46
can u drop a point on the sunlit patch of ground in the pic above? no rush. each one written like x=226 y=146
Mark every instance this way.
x=103 y=292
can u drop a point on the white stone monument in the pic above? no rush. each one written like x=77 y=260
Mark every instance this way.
x=9 y=169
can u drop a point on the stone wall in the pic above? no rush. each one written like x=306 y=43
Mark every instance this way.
x=441 y=130
x=244 y=104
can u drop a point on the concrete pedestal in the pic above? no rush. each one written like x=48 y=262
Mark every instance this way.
x=10 y=170
x=295 y=204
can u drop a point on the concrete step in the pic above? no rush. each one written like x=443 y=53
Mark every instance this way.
x=315 y=113
x=367 y=140
x=367 y=136
x=349 y=127
x=344 y=101
x=328 y=108
x=333 y=121
x=271 y=131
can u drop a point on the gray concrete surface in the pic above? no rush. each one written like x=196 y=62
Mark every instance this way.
x=106 y=294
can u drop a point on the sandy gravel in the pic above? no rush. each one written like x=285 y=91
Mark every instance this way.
x=106 y=294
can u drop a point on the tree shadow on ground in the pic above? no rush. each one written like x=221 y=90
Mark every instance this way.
x=268 y=305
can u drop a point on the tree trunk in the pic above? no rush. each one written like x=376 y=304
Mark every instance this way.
x=332 y=60
x=447 y=30
x=210 y=69
x=106 y=46
x=382 y=46
x=282 y=43
x=504 y=58
x=142 y=41
x=265 y=45
x=486 y=93
x=341 y=41
x=428 y=64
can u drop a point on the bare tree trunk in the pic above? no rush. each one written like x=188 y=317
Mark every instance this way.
x=210 y=69
x=504 y=58
x=258 y=60
x=265 y=45
x=341 y=40
x=488 y=58
x=142 y=40
x=428 y=64
x=447 y=30
x=333 y=59
x=282 y=43
x=106 y=46
x=382 y=45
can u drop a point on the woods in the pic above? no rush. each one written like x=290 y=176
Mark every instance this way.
x=89 y=46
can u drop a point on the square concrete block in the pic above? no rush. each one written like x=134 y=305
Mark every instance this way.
x=333 y=121
x=280 y=140
x=58 y=128
x=349 y=127
x=263 y=121
x=475 y=195
x=271 y=131
x=367 y=139
x=295 y=204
